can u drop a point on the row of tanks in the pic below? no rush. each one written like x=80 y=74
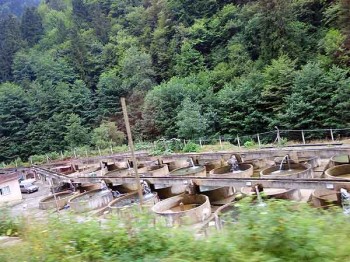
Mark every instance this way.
x=180 y=204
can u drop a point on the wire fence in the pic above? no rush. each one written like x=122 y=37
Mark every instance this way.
x=275 y=138
x=283 y=137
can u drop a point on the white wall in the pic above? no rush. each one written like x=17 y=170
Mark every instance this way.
x=15 y=192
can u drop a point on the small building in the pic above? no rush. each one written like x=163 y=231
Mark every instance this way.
x=9 y=188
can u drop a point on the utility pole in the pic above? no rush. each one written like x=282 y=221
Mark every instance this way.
x=131 y=145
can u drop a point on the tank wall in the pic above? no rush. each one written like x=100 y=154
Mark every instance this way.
x=50 y=202
x=337 y=170
x=192 y=216
x=306 y=173
x=162 y=171
x=246 y=171
x=91 y=204
x=176 y=164
x=325 y=198
x=218 y=194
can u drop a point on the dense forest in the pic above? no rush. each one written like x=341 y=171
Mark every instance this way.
x=188 y=68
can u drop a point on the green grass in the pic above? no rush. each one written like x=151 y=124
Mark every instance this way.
x=282 y=231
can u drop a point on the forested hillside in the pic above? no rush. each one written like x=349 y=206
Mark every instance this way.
x=188 y=68
x=16 y=7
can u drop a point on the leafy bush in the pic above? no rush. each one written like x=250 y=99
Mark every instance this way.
x=191 y=147
x=280 y=231
x=249 y=144
x=283 y=141
x=8 y=226
x=164 y=147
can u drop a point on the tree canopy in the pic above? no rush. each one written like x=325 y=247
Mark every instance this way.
x=187 y=69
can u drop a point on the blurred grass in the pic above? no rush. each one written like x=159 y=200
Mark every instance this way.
x=282 y=231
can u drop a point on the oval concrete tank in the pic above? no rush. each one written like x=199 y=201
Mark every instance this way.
x=89 y=187
x=295 y=171
x=90 y=200
x=184 y=209
x=341 y=171
x=198 y=171
x=121 y=204
x=339 y=160
x=61 y=200
x=258 y=163
x=209 y=164
x=218 y=195
x=245 y=170
x=277 y=193
x=157 y=171
x=325 y=198
x=176 y=164
x=312 y=161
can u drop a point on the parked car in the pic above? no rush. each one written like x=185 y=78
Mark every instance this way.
x=28 y=188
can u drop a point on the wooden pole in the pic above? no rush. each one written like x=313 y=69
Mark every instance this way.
x=303 y=136
x=131 y=145
x=220 y=142
x=259 y=142
x=239 y=143
x=332 y=135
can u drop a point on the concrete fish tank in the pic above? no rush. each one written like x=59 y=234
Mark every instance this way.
x=340 y=160
x=184 y=209
x=288 y=171
x=340 y=171
x=209 y=164
x=241 y=171
x=176 y=164
x=324 y=198
x=90 y=200
x=59 y=200
x=277 y=193
x=122 y=203
x=218 y=195
x=198 y=171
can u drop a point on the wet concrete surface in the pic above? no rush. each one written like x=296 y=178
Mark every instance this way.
x=30 y=202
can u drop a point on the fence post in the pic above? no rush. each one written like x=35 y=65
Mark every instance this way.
x=99 y=150
x=220 y=142
x=239 y=142
x=302 y=135
x=259 y=140
x=200 y=142
x=16 y=162
x=332 y=135
x=62 y=155
x=75 y=153
x=47 y=158
x=278 y=136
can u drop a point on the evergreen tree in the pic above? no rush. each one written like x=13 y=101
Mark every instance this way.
x=10 y=43
x=76 y=134
x=190 y=121
x=31 y=26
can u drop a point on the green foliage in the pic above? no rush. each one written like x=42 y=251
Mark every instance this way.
x=190 y=121
x=191 y=147
x=281 y=231
x=107 y=135
x=8 y=225
x=249 y=144
x=164 y=147
x=247 y=66
x=76 y=135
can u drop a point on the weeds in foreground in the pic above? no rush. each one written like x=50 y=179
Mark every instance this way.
x=281 y=231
